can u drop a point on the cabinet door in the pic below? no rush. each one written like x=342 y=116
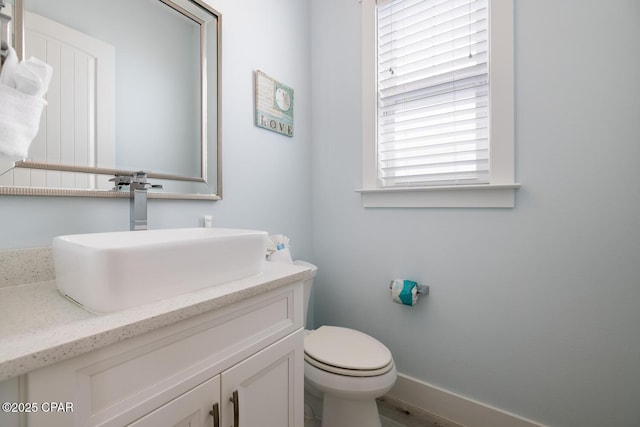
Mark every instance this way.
x=190 y=409
x=10 y=392
x=268 y=387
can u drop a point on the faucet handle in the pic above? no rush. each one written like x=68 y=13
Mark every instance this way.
x=137 y=181
x=140 y=176
x=120 y=181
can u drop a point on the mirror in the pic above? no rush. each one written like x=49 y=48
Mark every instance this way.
x=135 y=87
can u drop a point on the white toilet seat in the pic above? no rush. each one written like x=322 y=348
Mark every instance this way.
x=347 y=352
x=347 y=372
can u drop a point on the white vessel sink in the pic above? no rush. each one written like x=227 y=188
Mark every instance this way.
x=106 y=272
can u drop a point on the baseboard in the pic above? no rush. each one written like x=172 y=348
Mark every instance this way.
x=451 y=406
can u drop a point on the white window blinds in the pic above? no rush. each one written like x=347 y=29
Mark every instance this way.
x=433 y=85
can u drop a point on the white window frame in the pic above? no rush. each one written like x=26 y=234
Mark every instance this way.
x=500 y=192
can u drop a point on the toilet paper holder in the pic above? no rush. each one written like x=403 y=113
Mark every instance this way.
x=421 y=289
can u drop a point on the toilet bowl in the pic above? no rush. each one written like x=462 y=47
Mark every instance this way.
x=348 y=369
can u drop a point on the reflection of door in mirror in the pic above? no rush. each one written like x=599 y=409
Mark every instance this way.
x=80 y=95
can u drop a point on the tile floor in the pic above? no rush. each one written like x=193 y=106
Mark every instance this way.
x=397 y=414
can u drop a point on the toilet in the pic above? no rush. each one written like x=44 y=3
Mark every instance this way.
x=347 y=369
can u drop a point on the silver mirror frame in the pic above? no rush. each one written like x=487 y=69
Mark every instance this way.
x=19 y=45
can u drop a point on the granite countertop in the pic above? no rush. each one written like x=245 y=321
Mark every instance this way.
x=39 y=327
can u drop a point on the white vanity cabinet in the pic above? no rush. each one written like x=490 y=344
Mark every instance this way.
x=191 y=409
x=246 y=359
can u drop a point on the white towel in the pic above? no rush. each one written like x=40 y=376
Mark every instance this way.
x=19 y=122
x=33 y=77
x=22 y=86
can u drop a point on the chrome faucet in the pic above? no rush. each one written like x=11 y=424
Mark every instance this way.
x=138 y=186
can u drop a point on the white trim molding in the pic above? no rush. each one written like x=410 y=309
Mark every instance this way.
x=452 y=406
x=458 y=196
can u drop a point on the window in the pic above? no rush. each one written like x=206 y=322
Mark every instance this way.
x=438 y=103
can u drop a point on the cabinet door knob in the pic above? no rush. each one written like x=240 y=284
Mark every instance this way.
x=215 y=413
x=236 y=409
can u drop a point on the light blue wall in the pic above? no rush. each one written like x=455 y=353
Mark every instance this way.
x=266 y=178
x=533 y=310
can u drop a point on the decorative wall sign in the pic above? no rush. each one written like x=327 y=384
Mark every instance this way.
x=274 y=105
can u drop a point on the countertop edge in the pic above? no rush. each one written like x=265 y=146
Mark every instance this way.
x=28 y=351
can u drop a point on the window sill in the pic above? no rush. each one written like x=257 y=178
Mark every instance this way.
x=464 y=196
